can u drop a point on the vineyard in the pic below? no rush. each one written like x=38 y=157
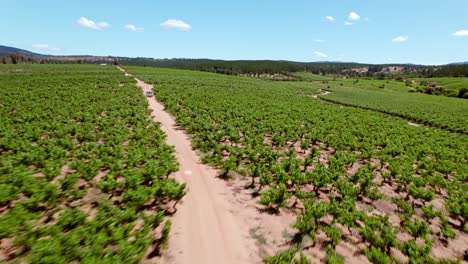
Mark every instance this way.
x=454 y=84
x=83 y=171
x=362 y=183
x=437 y=111
x=393 y=98
x=313 y=77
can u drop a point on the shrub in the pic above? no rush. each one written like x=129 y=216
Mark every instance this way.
x=462 y=93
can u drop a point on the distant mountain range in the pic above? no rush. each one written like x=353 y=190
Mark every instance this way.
x=7 y=51
x=459 y=63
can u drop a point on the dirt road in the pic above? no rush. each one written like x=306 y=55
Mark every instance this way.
x=205 y=230
x=213 y=223
x=316 y=96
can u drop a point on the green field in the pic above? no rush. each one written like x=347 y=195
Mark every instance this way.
x=80 y=167
x=438 y=111
x=292 y=147
x=454 y=84
x=84 y=171
x=375 y=85
x=313 y=77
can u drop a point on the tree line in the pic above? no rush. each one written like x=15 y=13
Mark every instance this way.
x=239 y=67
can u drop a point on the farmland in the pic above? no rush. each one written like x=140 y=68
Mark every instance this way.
x=438 y=111
x=86 y=175
x=234 y=132
x=361 y=182
x=312 y=77
x=393 y=98
x=84 y=172
x=453 y=84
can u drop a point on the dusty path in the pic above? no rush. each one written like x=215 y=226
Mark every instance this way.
x=322 y=92
x=213 y=223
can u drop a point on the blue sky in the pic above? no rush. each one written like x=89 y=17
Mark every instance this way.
x=368 y=31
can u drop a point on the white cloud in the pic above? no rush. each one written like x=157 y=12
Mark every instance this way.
x=46 y=47
x=133 y=28
x=347 y=23
x=319 y=40
x=400 y=39
x=102 y=25
x=461 y=33
x=320 y=54
x=84 y=22
x=176 y=24
x=353 y=16
x=330 y=18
